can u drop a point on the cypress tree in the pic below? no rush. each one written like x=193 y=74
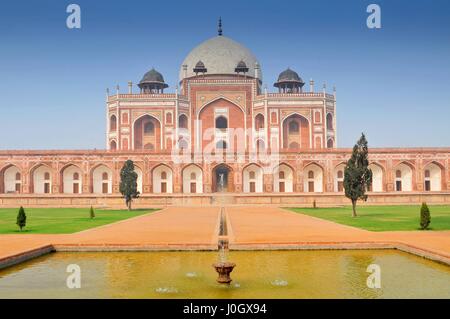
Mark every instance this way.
x=128 y=183
x=357 y=174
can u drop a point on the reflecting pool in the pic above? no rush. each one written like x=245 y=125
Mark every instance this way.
x=258 y=274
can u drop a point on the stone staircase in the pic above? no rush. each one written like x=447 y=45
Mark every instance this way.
x=222 y=199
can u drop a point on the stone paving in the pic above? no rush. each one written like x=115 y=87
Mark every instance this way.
x=196 y=228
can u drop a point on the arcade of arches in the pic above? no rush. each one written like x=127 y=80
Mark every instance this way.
x=312 y=177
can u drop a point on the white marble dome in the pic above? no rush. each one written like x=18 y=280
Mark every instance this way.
x=220 y=55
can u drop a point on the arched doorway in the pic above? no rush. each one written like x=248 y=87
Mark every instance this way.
x=296 y=132
x=192 y=179
x=41 y=180
x=71 y=177
x=403 y=178
x=313 y=178
x=252 y=177
x=283 y=179
x=377 y=178
x=101 y=179
x=222 y=179
x=162 y=179
x=12 y=179
x=432 y=177
x=147 y=133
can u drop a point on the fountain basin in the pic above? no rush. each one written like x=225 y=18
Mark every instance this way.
x=258 y=274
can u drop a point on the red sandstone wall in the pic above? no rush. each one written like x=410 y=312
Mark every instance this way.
x=57 y=161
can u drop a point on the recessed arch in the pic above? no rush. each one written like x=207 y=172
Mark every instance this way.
x=283 y=178
x=113 y=145
x=41 y=179
x=433 y=176
x=162 y=179
x=71 y=179
x=222 y=178
x=296 y=130
x=252 y=176
x=9 y=181
x=330 y=122
x=259 y=122
x=192 y=175
x=378 y=177
x=313 y=179
x=101 y=176
x=215 y=111
x=113 y=123
x=216 y=100
x=339 y=177
x=146 y=129
x=295 y=113
x=403 y=177
x=140 y=177
x=183 y=121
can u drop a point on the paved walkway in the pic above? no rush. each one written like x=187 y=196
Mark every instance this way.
x=170 y=228
x=180 y=227
x=248 y=228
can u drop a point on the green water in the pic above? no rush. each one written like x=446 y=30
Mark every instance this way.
x=258 y=274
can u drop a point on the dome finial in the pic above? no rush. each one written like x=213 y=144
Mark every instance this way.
x=219 y=30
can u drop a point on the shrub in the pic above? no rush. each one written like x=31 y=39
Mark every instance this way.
x=425 y=217
x=21 y=218
x=91 y=213
x=314 y=204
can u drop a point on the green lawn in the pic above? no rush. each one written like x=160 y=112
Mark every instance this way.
x=61 y=220
x=382 y=218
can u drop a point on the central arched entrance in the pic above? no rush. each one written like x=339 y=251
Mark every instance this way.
x=222 y=178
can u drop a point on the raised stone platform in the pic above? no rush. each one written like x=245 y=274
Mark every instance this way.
x=222 y=199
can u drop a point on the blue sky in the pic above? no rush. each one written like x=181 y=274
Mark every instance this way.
x=392 y=83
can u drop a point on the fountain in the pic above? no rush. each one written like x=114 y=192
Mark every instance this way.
x=221 y=182
x=223 y=267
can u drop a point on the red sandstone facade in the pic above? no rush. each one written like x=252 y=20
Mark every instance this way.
x=219 y=132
